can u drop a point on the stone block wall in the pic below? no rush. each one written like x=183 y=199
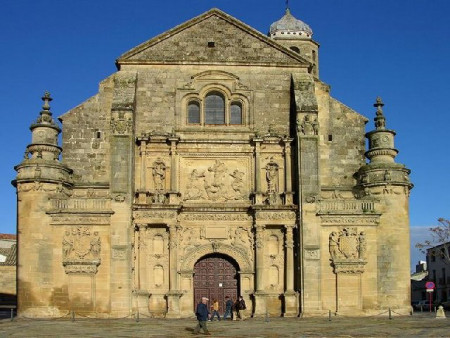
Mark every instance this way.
x=8 y=280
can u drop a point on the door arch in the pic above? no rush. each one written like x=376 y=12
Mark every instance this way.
x=215 y=277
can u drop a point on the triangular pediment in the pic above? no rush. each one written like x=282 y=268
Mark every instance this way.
x=213 y=37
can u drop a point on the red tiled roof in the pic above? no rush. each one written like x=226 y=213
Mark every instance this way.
x=8 y=236
x=11 y=255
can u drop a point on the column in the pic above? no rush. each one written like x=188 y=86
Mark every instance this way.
x=173 y=296
x=289 y=246
x=260 y=257
x=288 y=171
x=173 y=193
x=173 y=253
x=259 y=198
x=140 y=270
x=260 y=294
x=141 y=192
x=290 y=296
x=142 y=149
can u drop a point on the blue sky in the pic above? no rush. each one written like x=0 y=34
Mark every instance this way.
x=397 y=49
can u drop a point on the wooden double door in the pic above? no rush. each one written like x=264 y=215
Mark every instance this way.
x=215 y=277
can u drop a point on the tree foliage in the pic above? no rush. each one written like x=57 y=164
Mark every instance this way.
x=440 y=236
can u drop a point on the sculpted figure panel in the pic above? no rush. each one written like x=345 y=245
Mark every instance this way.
x=216 y=181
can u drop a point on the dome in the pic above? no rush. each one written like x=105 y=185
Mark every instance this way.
x=289 y=27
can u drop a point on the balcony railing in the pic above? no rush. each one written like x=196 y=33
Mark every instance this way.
x=81 y=204
x=346 y=206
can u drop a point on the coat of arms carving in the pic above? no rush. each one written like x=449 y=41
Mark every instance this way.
x=81 y=247
x=348 y=250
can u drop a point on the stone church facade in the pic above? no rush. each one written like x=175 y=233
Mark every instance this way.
x=214 y=163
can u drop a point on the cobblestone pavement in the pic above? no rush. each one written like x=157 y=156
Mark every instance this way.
x=418 y=325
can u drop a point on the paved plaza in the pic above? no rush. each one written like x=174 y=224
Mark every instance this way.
x=418 y=325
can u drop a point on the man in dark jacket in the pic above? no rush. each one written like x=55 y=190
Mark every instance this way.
x=202 y=314
x=228 y=308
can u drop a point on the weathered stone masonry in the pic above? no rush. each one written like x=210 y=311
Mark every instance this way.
x=213 y=162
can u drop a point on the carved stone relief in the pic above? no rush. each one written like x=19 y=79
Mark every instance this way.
x=121 y=122
x=308 y=125
x=81 y=250
x=243 y=237
x=159 y=181
x=348 y=249
x=217 y=182
x=272 y=178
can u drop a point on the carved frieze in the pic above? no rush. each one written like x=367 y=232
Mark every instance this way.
x=79 y=219
x=276 y=215
x=86 y=268
x=216 y=217
x=149 y=216
x=349 y=220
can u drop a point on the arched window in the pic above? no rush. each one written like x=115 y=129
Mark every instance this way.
x=193 y=112
x=214 y=108
x=236 y=113
x=295 y=49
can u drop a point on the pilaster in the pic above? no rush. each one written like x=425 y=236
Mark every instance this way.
x=309 y=186
x=174 y=294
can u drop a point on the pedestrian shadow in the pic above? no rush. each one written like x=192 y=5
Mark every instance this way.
x=189 y=329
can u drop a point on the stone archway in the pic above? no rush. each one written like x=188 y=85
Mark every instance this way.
x=216 y=277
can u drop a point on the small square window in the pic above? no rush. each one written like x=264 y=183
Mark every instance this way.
x=211 y=44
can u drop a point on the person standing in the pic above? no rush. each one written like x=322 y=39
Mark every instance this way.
x=240 y=307
x=228 y=308
x=202 y=314
x=215 y=309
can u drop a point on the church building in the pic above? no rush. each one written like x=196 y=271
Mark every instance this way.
x=214 y=162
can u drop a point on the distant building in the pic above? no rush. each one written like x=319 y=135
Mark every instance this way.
x=214 y=162
x=438 y=263
x=8 y=259
x=418 y=280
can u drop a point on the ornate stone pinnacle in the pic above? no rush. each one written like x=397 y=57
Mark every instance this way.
x=379 y=104
x=380 y=121
x=46 y=98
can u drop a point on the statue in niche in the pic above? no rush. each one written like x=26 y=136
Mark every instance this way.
x=315 y=126
x=238 y=184
x=334 y=245
x=272 y=181
x=95 y=246
x=67 y=244
x=307 y=126
x=159 y=175
x=195 y=188
x=362 y=245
